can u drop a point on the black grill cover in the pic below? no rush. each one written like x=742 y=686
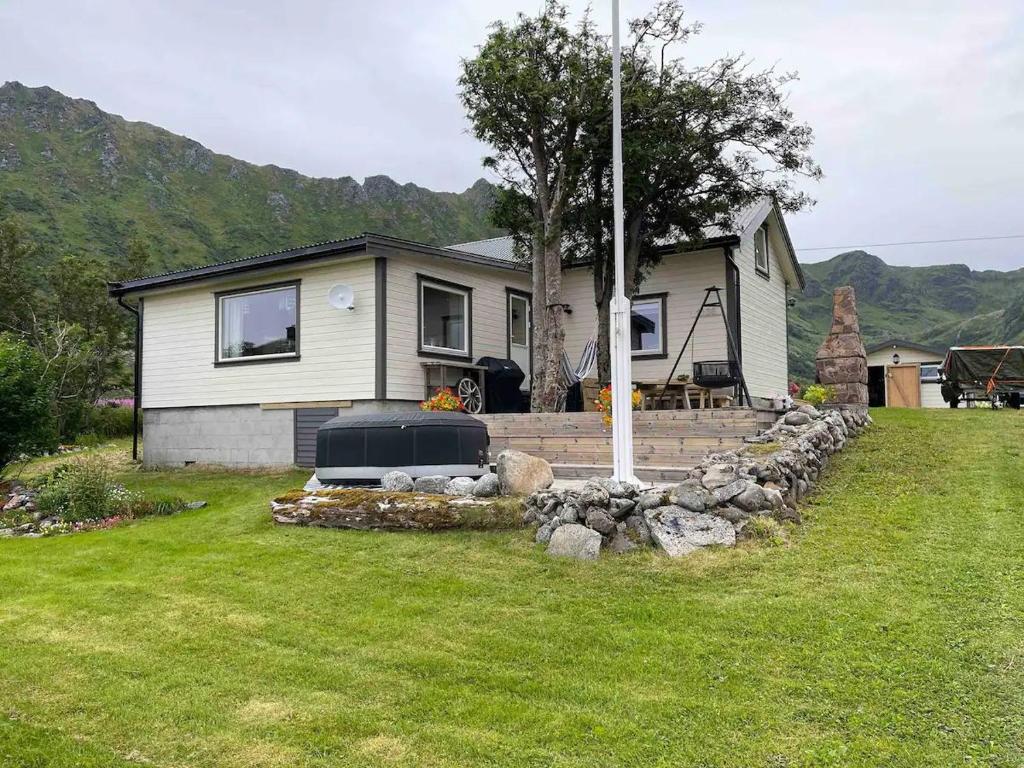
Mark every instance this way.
x=978 y=368
x=408 y=439
x=712 y=374
x=503 y=379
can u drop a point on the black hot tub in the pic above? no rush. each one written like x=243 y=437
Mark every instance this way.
x=365 y=447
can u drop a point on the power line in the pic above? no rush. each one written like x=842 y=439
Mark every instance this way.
x=914 y=242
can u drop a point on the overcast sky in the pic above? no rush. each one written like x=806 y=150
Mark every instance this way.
x=918 y=107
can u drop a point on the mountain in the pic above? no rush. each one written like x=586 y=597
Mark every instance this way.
x=936 y=305
x=84 y=180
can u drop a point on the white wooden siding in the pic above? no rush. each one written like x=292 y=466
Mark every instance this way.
x=404 y=372
x=763 y=328
x=683 y=277
x=336 y=346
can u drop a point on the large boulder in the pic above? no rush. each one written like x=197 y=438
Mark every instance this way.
x=520 y=474
x=574 y=540
x=679 y=531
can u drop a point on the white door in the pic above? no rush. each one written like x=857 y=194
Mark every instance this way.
x=519 y=334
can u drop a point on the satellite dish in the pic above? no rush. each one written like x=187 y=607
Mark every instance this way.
x=341 y=297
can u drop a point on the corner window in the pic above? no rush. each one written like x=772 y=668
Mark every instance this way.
x=761 y=251
x=930 y=373
x=647 y=325
x=444 y=318
x=258 y=324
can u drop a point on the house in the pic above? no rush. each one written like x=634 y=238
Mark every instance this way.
x=903 y=374
x=241 y=361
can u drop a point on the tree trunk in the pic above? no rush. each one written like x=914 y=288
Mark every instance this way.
x=539 y=326
x=554 y=326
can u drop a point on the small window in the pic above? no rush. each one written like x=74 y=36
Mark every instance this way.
x=647 y=325
x=258 y=324
x=930 y=374
x=761 y=251
x=444 y=313
x=518 y=309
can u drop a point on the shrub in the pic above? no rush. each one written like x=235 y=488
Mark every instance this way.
x=816 y=394
x=107 y=421
x=27 y=422
x=84 y=490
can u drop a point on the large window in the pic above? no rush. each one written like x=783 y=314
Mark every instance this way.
x=761 y=251
x=444 y=319
x=258 y=324
x=647 y=325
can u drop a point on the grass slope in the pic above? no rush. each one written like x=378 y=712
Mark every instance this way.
x=86 y=180
x=889 y=633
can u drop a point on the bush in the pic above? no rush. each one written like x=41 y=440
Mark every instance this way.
x=27 y=422
x=108 y=421
x=816 y=394
x=84 y=490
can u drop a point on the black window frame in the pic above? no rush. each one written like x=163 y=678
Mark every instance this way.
x=443 y=353
x=287 y=357
x=766 y=272
x=663 y=353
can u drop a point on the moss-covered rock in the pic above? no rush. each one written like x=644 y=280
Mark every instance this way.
x=370 y=509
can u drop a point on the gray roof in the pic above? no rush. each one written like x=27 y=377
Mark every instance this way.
x=503 y=248
x=302 y=254
x=498 y=248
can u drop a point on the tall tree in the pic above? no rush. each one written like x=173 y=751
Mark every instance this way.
x=699 y=144
x=528 y=92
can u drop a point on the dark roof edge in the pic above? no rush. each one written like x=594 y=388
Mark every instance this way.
x=300 y=255
x=904 y=343
x=800 y=276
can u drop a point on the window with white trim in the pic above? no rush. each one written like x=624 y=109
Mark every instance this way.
x=647 y=326
x=930 y=373
x=258 y=324
x=761 y=250
x=444 y=313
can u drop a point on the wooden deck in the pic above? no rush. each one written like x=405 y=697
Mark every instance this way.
x=665 y=443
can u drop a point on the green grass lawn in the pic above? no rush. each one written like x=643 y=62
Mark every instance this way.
x=889 y=632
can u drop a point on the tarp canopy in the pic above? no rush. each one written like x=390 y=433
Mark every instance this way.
x=988 y=369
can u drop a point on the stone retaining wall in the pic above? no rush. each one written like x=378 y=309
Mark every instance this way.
x=713 y=506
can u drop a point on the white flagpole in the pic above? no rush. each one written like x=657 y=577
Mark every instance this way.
x=622 y=374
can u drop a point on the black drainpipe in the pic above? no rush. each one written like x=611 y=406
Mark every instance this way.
x=137 y=394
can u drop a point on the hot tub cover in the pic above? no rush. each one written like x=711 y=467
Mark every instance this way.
x=361 y=447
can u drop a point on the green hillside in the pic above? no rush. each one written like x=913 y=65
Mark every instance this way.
x=935 y=305
x=85 y=180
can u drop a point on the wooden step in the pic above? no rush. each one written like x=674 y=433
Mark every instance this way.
x=650 y=474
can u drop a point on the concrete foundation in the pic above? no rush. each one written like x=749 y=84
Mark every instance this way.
x=232 y=435
x=228 y=435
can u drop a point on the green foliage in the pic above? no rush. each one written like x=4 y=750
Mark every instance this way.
x=106 y=421
x=92 y=183
x=27 y=422
x=816 y=394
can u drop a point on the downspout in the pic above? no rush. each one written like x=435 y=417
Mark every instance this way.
x=137 y=388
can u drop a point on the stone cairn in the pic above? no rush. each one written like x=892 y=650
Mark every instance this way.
x=841 y=361
x=713 y=506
